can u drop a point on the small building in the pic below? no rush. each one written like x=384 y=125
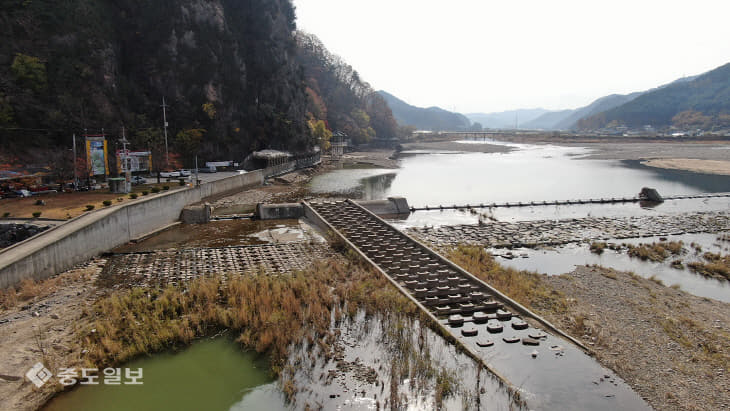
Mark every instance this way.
x=338 y=144
x=266 y=158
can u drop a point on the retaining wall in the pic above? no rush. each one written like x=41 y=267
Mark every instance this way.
x=60 y=248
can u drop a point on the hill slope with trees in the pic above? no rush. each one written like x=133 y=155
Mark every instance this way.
x=432 y=118
x=232 y=73
x=702 y=101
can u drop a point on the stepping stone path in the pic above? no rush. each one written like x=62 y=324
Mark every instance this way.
x=551 y=232
x=459 y=302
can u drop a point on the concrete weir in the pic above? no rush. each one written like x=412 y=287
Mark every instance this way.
x=548 y=368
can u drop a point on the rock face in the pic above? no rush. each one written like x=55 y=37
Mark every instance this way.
x=15 y=233
x=225 y=66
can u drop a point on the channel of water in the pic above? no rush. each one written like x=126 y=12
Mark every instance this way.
x=216 y=374
x=537 y=173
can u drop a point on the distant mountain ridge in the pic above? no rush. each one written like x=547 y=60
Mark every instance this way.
x=567 y=119
x=506 y=119
x=707 y=95
x=701 y=101
x=431 y=118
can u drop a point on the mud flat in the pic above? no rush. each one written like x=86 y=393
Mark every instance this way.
x=691 y=164
x=453 y=145
x=40 y=323
x=670 y=346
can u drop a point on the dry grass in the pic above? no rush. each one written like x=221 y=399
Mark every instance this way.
x=268 y=312
x=597 y=247
x=30 y=290
x=656 y=251
x=526 y=288
x=717 y=266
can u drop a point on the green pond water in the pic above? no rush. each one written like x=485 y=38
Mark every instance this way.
x=212 y=374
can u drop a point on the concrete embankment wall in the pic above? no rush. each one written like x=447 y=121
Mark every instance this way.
x=61 y=247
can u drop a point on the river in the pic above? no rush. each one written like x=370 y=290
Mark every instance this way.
x=541 y=173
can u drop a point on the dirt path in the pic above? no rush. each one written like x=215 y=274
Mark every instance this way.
x=43 y=329
x=670 y=346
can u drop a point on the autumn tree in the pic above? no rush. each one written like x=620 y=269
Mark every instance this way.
x=29 y=71
x=209 y=110
x=340 y=96
x=61 y=164
x=321 y=134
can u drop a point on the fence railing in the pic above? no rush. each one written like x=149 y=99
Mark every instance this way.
x=298 y=162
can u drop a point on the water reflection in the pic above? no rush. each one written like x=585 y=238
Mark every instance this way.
x=529 y=173
x=564 y=259
x=377 y=187
x=209 y=375
x=708 y=183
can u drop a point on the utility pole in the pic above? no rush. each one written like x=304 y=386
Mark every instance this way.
x=196 y=171
x=125 y=169
x=74 y=164
x=164 y=119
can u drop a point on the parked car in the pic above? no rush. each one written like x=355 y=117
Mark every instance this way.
x=139 y=180
x=208 y=169
x=184 y=173
x=17 y=193
x=169 y=174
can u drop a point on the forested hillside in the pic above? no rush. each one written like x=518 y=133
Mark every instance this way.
x=339 y=97
x=702 y=102
x=431 y=118
x=230 y=71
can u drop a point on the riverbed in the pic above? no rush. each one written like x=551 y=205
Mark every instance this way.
x=454 y=174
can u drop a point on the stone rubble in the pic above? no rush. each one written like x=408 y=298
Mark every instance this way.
x=558 y=232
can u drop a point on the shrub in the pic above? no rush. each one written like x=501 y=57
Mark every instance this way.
x=120 y=199
x=29 y=71
x=181 y=182
x=155 y=190
x=165 y=188
x=40 y=202
x=597 y=248
x=133 y=196
x=89 y=207
x=36 y=214
x=6 y=214
x=144 y=193
x=107 y=203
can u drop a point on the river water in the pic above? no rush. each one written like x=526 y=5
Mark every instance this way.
x=215 y=374
x=212 y=374
x=528 y=173
x=541 y=173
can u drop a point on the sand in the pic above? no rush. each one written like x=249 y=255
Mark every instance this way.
x=691 y=164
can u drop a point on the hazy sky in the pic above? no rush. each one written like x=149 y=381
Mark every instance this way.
x=484 y=55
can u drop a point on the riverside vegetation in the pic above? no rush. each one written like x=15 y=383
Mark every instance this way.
x=711 y=265
x=271 y=314
x=670 y=346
